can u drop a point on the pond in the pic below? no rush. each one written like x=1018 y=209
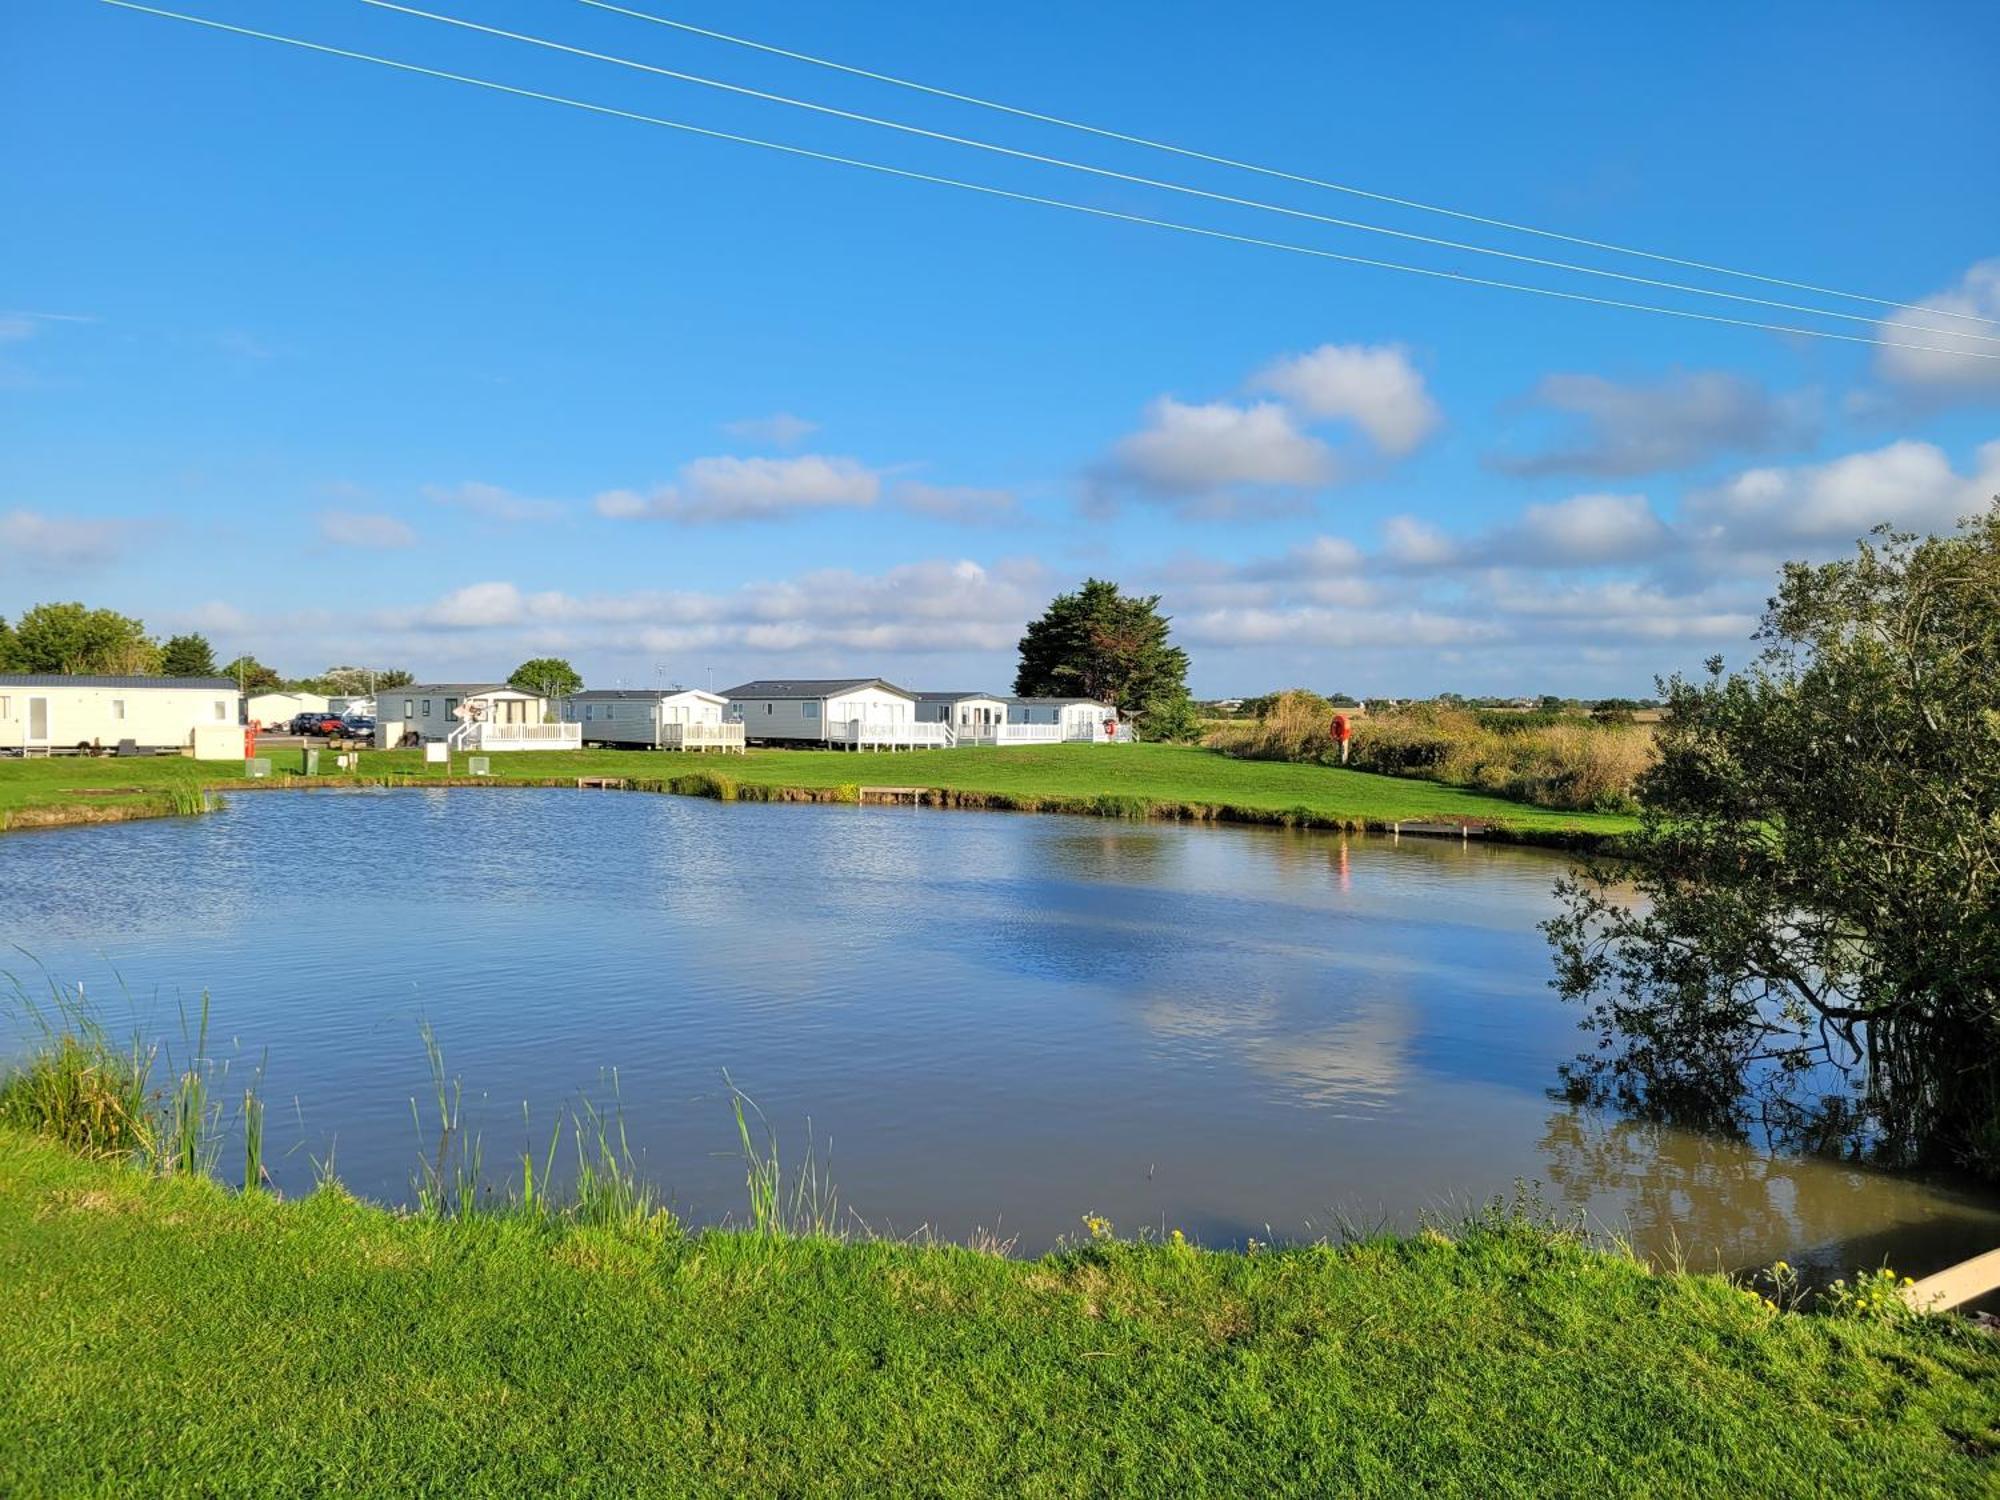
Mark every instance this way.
x=1000 y=1022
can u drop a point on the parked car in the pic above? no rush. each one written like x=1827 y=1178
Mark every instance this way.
x=326 y=725
x=358 y=726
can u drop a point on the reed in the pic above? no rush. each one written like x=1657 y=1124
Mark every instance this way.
x=804 y=1203
x=448 y=1178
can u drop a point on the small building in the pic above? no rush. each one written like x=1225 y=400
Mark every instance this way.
x=973 y=715
x=267 y=709
x=850 y=712
x=477 y=716
x=1072 y=719
x=654 y=718
x=49 y=713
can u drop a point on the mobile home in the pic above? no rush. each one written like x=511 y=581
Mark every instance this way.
x=279 y=708
x=1082 y=719
x=851 y=712
x=655 y=718
x=41 y=713
x=971 y=715
x=471 y=716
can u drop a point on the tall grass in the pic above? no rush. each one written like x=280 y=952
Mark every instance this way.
x=99 y=1098
x=805 y=1202
x=1558 y=761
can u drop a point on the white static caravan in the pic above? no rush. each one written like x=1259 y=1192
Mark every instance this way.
x=42 y=713
x=972 y=716
x=474 y=716
x=279 y=708
x=850 y=712
x=1072 y=719
x=653 y=718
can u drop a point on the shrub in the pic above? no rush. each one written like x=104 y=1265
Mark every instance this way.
x=1548 y=759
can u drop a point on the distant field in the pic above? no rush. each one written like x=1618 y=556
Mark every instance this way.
x=1158 y=776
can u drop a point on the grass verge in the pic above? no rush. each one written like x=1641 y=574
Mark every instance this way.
x=1178 y=781
x=160 y=1335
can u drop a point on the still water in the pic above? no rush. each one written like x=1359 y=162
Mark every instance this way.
x=1000 y=1022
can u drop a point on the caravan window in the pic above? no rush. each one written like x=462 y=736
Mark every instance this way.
x=221 y=711
x=117 y=708
x=427 y=708
x=809 y=709
x=409 y=708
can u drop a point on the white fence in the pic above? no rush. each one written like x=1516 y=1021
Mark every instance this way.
x=890 y=734
x=482 y=738
x=724 y=737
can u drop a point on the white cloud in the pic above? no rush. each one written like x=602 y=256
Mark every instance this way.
x=28 y=536
x=1588 y=529
x=1958 y=370
x=1414 y=543
x=1188 y=452
x=17 y=325
x=737 y=489
x=477 y=606
x=348 y=528
x=1675 y=422
x=779 y=430
x=1907 y=484
x=963 y=503
x=917 y=609
x=492 y=503
x=1373 y=386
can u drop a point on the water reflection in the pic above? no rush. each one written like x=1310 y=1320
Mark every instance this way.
x=1001 y=1021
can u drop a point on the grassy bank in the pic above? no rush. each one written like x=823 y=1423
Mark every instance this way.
x=163 y=1336
x=1128 y=780
x=1563 y=761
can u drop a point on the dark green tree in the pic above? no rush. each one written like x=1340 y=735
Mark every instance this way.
x=1103 y=644
x=1815 y=885
x=547 y=677
x=10 y=648
x=74 y=639
x=252 y=673
x=188 y=656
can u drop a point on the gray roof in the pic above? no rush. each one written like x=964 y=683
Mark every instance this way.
x=64 y=679
x=643 y=693
x=1060 y=702
x=958 y=697
x=459 y=689
x=808 y=687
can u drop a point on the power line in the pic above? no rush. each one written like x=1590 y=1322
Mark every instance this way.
x=1137 y=180
x=908 y=174
x=1277 y=172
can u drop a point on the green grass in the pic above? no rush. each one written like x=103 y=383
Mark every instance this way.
x=1122 y=780
x=163 y=1336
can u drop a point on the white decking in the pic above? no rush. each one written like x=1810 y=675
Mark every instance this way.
x=482 y=739
x=702 y=737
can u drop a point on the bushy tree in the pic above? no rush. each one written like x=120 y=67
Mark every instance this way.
x=252 y=674
x=188 y=656
x=547 y=677
x=1104 y=644
x=74 y=639
x=10 y=648
x=1815 y=887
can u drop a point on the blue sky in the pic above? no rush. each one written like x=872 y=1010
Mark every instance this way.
x=344 y=365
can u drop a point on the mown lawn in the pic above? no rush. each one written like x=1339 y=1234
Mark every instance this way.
x=1157 y=774
x=162 y=1336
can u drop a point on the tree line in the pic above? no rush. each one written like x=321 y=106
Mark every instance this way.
x=73 y=639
